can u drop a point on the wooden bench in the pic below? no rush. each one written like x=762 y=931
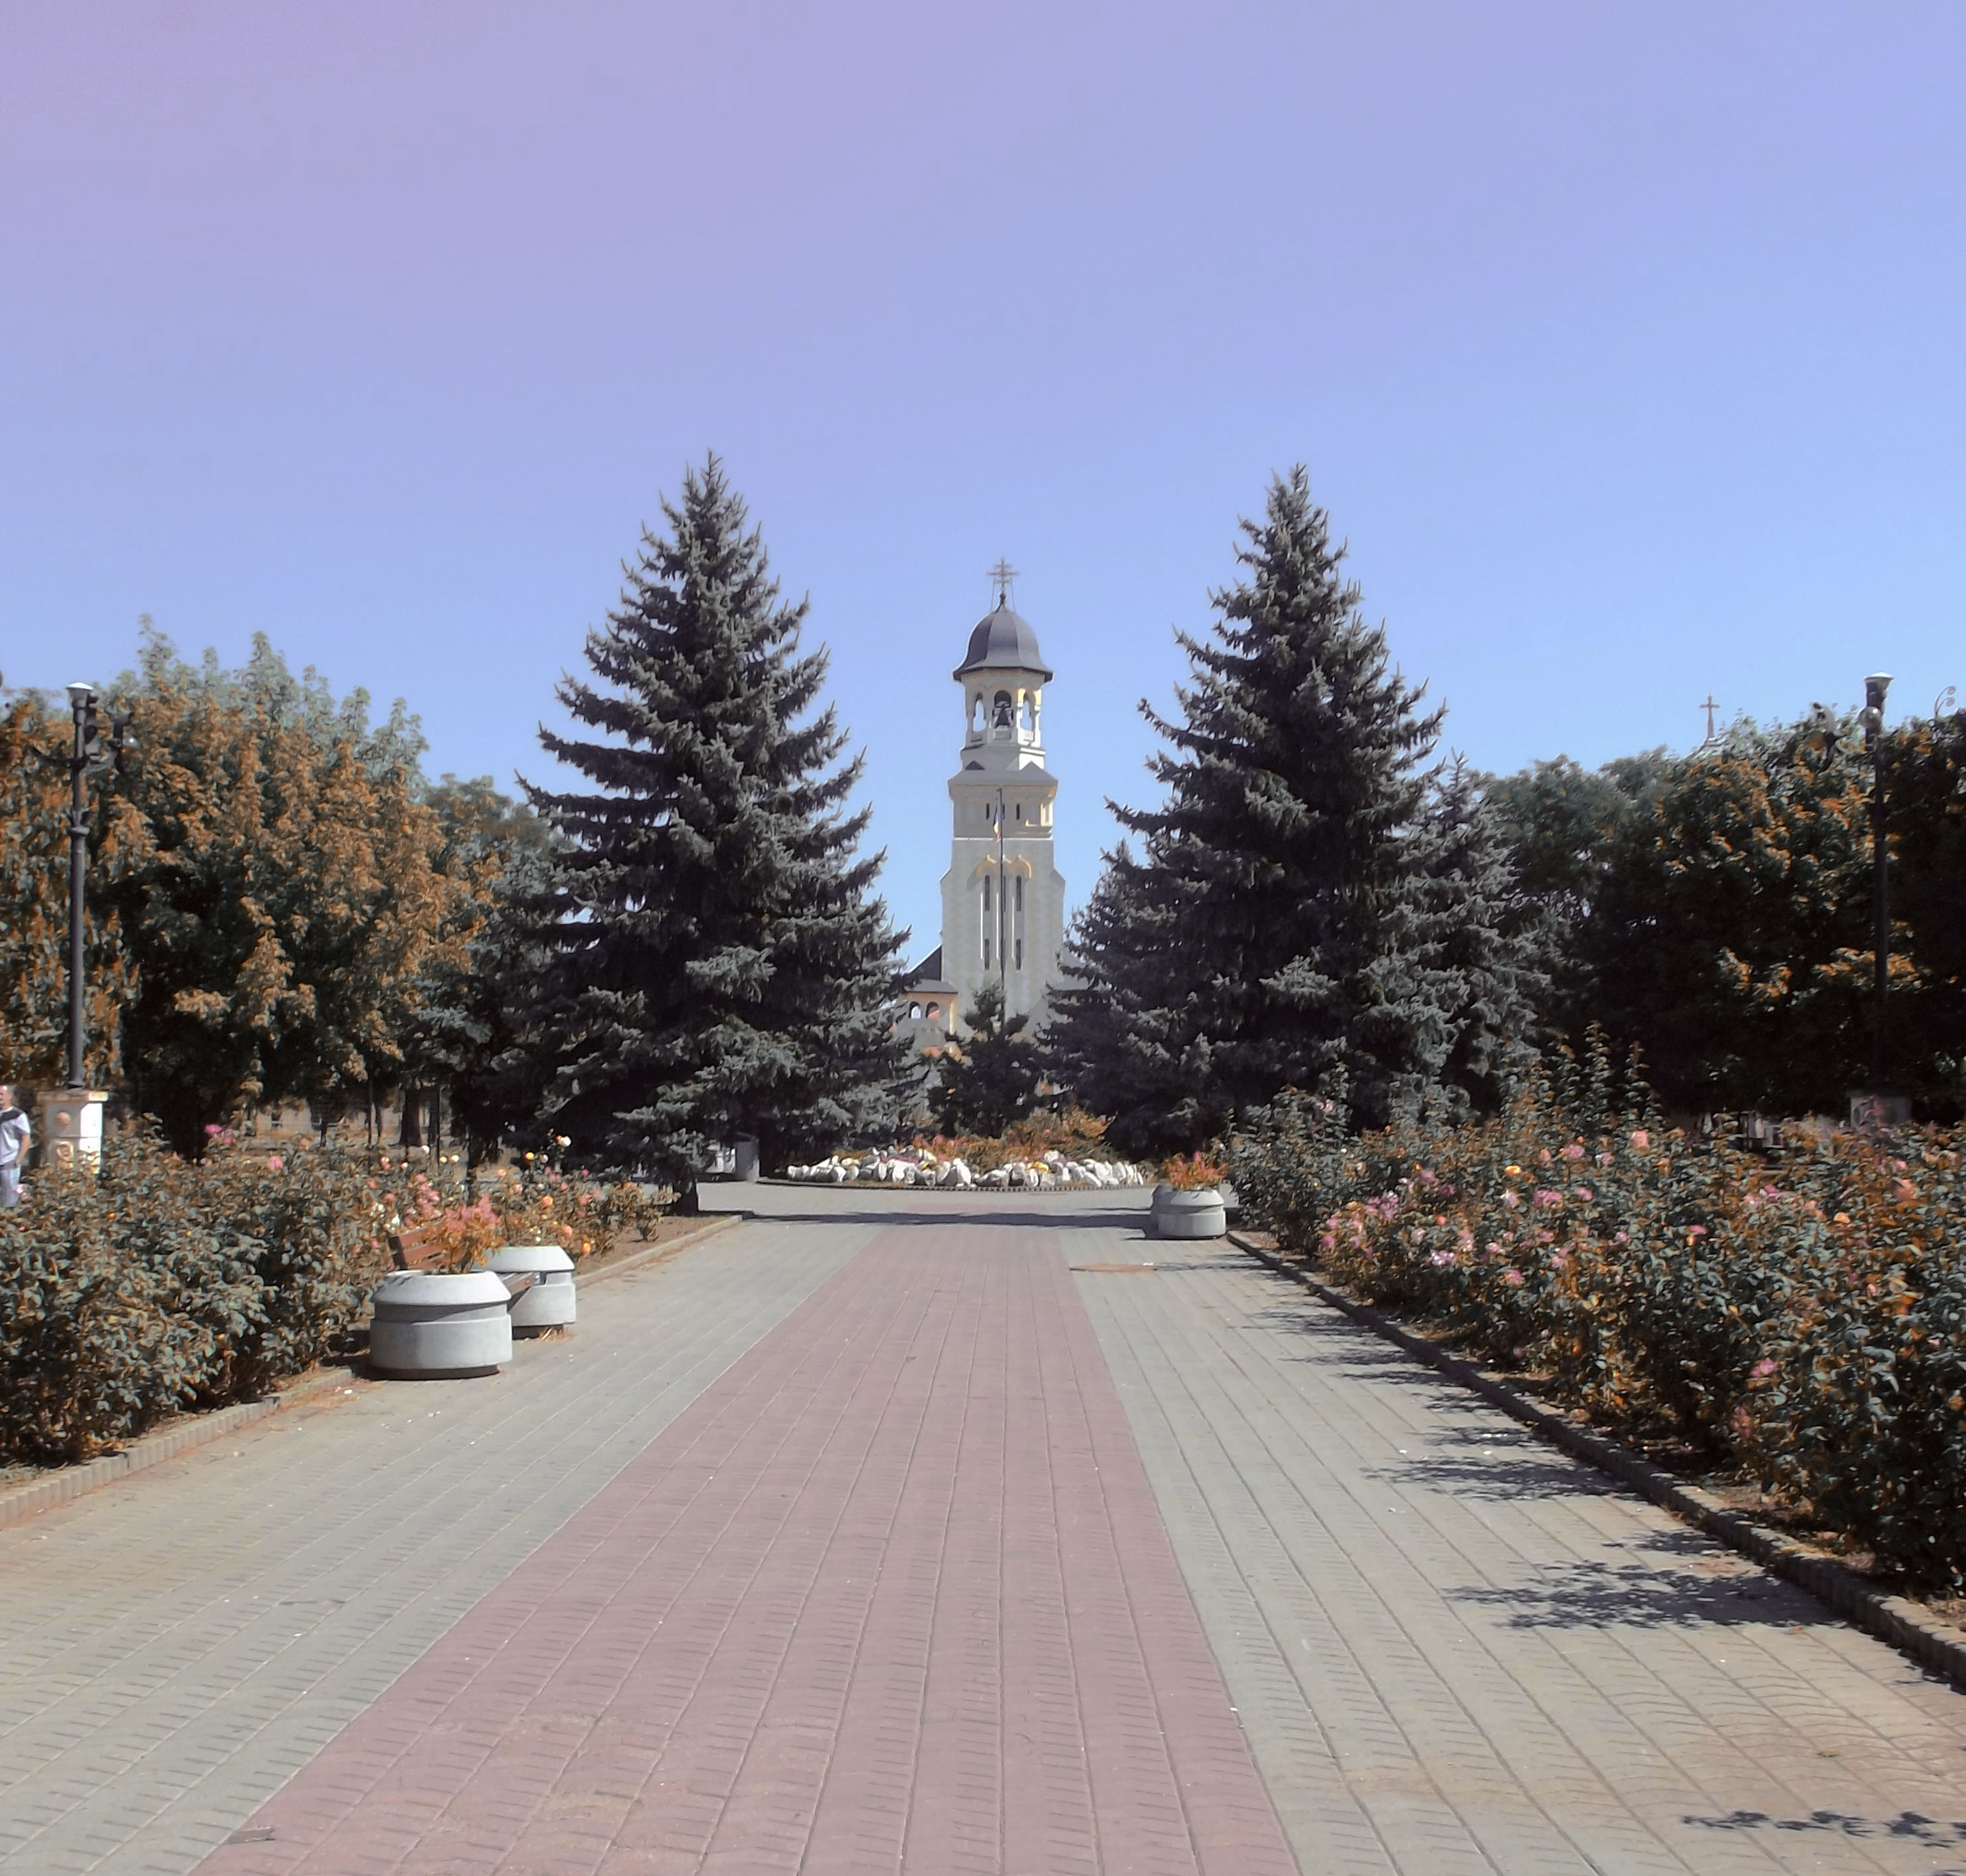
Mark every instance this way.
x=418 y=1250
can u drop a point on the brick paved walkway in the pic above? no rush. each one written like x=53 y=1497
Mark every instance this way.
x=1456 y=1650
x=892 y=1594
x=841 y=1544
x=174 y=1647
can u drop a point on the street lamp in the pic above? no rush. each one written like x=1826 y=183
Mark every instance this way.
x=1873 y=721
x=75 y=1120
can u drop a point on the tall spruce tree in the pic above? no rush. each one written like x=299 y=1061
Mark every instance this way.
x=992 y=1076
x=1479 y=945
x=716 y=964
x=1280 y=926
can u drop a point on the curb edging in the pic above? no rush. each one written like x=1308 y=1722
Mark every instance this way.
x=654 y=1253
x=1892 y=1619
x=72 y=1481
x=38 y=1495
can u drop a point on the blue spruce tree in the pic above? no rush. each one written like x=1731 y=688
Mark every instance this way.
x=1282 y=927
x=715 y=962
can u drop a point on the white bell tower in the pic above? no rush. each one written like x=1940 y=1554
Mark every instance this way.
x=1003 y=898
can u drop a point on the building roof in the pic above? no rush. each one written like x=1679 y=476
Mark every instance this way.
x=926 y=977
x=1004 y=642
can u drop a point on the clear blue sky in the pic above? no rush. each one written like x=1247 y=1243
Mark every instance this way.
x=1624 y=342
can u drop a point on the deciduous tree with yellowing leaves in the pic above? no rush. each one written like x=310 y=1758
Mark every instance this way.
x=285 y=897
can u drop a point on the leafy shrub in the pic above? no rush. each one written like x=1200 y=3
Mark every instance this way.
x=1073 y=1132
x=1193 y=1172
x=161 y=1285
x=534 y=1207
x=1805 y=1316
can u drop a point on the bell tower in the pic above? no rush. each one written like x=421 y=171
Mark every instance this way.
x=1003 y=898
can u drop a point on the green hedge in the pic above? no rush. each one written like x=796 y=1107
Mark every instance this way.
x=1802 y=1314
x=162 y=1284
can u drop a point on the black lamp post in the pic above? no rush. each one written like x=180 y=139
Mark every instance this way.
x=1873 y=721
x=86 y=755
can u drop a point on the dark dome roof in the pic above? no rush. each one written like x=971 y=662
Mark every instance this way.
x=1002 y=641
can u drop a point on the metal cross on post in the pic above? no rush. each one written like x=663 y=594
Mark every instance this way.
x=1709 y=706
x=1001 y=574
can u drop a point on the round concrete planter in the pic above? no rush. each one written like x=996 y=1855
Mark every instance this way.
x=1179 y=1214
x=431 y=1326
x=548 y=1304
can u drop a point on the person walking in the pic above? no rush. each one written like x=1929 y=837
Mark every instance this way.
x=15 y=1136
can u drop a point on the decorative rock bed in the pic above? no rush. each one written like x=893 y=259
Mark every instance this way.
x=1052 y=1172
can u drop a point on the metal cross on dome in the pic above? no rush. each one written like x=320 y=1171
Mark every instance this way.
x=1001 y=574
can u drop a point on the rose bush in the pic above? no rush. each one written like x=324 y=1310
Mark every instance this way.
x=1802 y=1314
x=162 y=1284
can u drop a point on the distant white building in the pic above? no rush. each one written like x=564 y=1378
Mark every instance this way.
x=1003 y=898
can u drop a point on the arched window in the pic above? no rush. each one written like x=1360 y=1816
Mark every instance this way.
x=1021 y=811
x=1017 y=899
x=935 y=1012
x=1000 y=710
x=914 y=1013
x=986 y=892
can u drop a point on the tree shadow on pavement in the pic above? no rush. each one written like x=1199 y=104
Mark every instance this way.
x=1497 y=1468
x=1688 y=1583
x=1932 y=1833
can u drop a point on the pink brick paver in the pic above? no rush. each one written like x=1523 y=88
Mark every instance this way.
x=893 y=1594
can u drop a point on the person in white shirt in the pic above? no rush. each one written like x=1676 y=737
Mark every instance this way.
x=15 y=1135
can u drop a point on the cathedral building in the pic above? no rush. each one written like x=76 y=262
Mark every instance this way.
x=1003 y=898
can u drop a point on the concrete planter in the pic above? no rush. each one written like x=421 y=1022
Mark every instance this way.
x=1179 y=1214
x=550 y=1303
x=431 y=1326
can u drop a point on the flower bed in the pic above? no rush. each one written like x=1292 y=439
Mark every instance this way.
x=1046 y=1151
x=530 y=1205
x=1803 y=1315
x=163 y=1284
